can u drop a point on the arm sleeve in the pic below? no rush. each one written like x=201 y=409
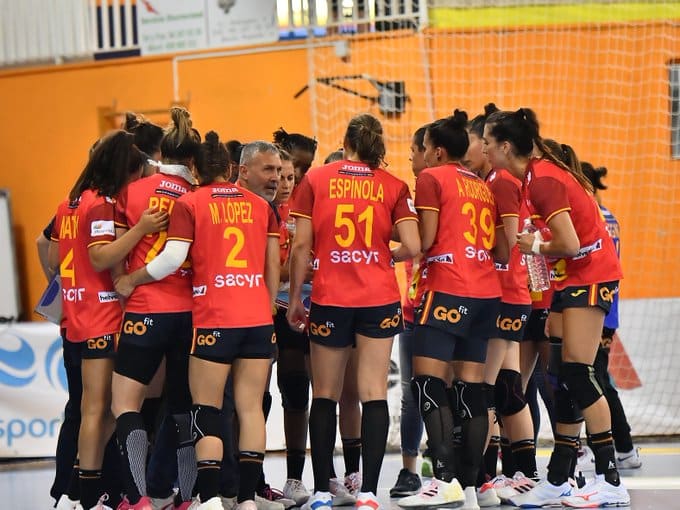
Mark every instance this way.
x=181 y=226
x=404 y=208
x=549 y=197
x=428 y=192
x=100 y=224
x=303 y=199
x=508 y=197
x=273 y=225
x=169 y=260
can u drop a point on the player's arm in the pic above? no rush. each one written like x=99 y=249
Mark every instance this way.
x=501 y=250
x=428 y=225
x=106 y=255
x=272 y=267
x=409 y=238
x=42 y=244
x=564 y=242
x=167 y=262
x=299 y=260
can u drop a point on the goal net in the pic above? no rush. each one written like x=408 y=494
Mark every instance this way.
x=601 y=78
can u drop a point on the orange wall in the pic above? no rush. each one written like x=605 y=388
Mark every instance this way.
x=602 y=89
x=50 y=120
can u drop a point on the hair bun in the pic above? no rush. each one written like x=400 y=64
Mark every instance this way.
x=131 y=121
x=490 y=108
x=212 y=138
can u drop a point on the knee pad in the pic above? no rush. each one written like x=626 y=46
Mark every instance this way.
x=205 y=421
x=471 y=400
x=490 y=393
x=580 y=381
x=509 y=395
x=566 y=411
x=430 y=393
x=294 y=388
x=183 y=428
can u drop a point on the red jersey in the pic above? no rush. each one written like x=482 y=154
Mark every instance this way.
x=459 y=261
x=284 y=233
x=90 y=303
x=353 y=208
x=507 y=190
x=173 y=293
x=549 y=190
x=229 y=227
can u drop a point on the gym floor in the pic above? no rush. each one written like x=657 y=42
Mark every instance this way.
x=24 y=485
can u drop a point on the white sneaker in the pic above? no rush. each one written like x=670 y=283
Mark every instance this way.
x=318 y=501
x=341 y=495
x=500 y=483
x=434 y=494
x=228 y=503
x=585 y=459
x=163 y=503
x=486 y=496
x=630 y=460
x=366 y=501
x=212 y=504
x=65 y=503
x=248 y=504
x=268 y=504
x=598 y=492
x=353 y=483
x=470 y=499
x=100 y=504
x=296 y=491
x=543 y=494
x=518 y=484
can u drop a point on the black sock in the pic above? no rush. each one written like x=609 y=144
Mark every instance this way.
x=133 y=446
x=322 y=425
x=150 y=411
x=250 y=470
x=375 y=423
x=295 y=463
x=208 y=479
x=90 y=486
x=564 y=453
x=507 y=462
x=434 y=403
x=491 y=459
x=603 y=449
x=524 y=456
x=472 y=411
x=186 y=457
x=351 y=451
x=73 y=489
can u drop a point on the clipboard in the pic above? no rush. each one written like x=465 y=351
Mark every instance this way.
x=49 y=305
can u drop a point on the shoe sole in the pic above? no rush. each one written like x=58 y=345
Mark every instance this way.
x=598 y=505
x=451 y=504
x=403 y=494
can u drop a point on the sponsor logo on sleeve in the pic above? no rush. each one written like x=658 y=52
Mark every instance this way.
x=102 y=228
x=200 y=290
x=411 y=205
x=107 y=296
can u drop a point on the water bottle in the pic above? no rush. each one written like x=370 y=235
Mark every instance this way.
x=539 y=274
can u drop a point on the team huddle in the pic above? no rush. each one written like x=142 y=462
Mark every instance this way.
x=188 y=266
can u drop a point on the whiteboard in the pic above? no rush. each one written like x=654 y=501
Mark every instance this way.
x=9 y=277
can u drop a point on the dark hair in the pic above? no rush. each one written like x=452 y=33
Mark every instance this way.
x=521 y=129
x=234 y=148
x=110 y=165
x=450 y=134
x=334 y=156
x=214 y=158
x=476 y=125
x=147 y=135
x=419 y=137
x=364 y=136
x=594 y=175
x=181 y=142
x=291 y=141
